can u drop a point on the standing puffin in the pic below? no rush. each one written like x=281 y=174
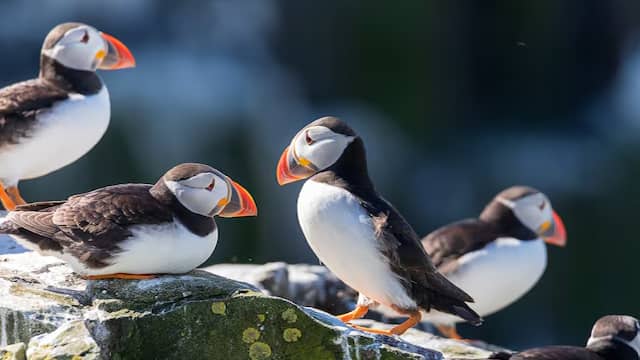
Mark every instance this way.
x=613 y=337
x=357 y=234
x=498 y=257
x=51 y=121
x=133 y=231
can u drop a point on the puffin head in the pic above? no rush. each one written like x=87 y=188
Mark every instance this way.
x=206 y=191
x=81 y=47
x=314 y=148
x=615 y=337
x=533 y=210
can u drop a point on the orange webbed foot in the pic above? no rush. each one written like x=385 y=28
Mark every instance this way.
x=14 y=193
x=6 y=199
x=359 y=312
x=414 y=318
x=449 y=331
x=121 y=276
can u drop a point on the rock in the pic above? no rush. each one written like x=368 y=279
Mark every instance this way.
x=308 y=285
x=70 y=341
x=13 y=352
x=193 y=316
x=8 y=246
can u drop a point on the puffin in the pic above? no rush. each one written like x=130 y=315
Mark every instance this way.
x=51 y=121
x=613 y=337
x=499 y=256
x=358 y=234
x=134 y=231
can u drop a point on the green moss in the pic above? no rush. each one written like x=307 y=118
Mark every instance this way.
x=250 y=335
x=289 y=316
x=261 y=317
x=259 y=351
x=219 y=308
x=291 y=334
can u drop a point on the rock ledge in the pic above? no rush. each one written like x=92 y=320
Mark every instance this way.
x=193 y=316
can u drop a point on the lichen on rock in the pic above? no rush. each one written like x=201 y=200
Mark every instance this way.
x=193 y=316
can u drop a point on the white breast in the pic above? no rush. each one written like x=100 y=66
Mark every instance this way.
x=63 y=134
x=497 y=275
x=341 y=234
x=157 y=249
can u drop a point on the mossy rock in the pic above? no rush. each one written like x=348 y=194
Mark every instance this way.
x=241 y=326
x=193 y=316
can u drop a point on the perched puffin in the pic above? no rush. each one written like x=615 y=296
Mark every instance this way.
x=133 y=231
x=357 y=234
x=498 y=257
x=51 y=121
x=613 y=337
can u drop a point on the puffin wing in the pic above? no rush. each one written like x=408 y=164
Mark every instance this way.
x=21 y=103
x=90 y=226
x=408 y=259
x=448 y=243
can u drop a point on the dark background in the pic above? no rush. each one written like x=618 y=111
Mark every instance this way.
x=455 y=101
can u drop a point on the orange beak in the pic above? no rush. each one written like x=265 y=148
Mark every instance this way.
x=118 y=56
x=241 y=203
x=558 y=235
x=289 y=170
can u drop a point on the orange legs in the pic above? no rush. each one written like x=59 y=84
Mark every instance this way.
x=449 y=331
x=14 y=193
x=414 y=318
x=359 y=312
x=120 y=276
x=7 y=201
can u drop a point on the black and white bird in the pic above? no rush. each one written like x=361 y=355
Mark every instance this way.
x=498 y=257
x=357 y=234
x=613 y=337
x=133 y=231
x=51 y=121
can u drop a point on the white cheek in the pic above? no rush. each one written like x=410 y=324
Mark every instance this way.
x=322 y=153
x=77 y=56
x=199 y=201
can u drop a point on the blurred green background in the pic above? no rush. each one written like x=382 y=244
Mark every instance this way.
x=455 y=101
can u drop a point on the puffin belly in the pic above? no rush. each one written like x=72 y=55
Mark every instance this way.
x=160 y=249
x=496 y=275
x=341 y=234
x=62 y=135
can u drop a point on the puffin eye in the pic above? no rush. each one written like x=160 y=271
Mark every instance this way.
x=542 y=205
x=210 y=187
x=85 y=37
x=308 y=138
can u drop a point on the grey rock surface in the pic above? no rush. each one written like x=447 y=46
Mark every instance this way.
x=196 y=316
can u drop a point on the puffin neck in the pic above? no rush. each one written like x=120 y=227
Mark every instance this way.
x=198 y=224
x=350 y=171
x=71 y=80
x=505 y=222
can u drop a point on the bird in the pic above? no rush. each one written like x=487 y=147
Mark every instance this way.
x=51 y=121
x=134 y=231
x=359 y=235
x=613 y=337
x=499 y=256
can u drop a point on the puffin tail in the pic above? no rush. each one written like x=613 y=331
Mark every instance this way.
x=500 y=356
x=447 y=297
x=458 y=308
